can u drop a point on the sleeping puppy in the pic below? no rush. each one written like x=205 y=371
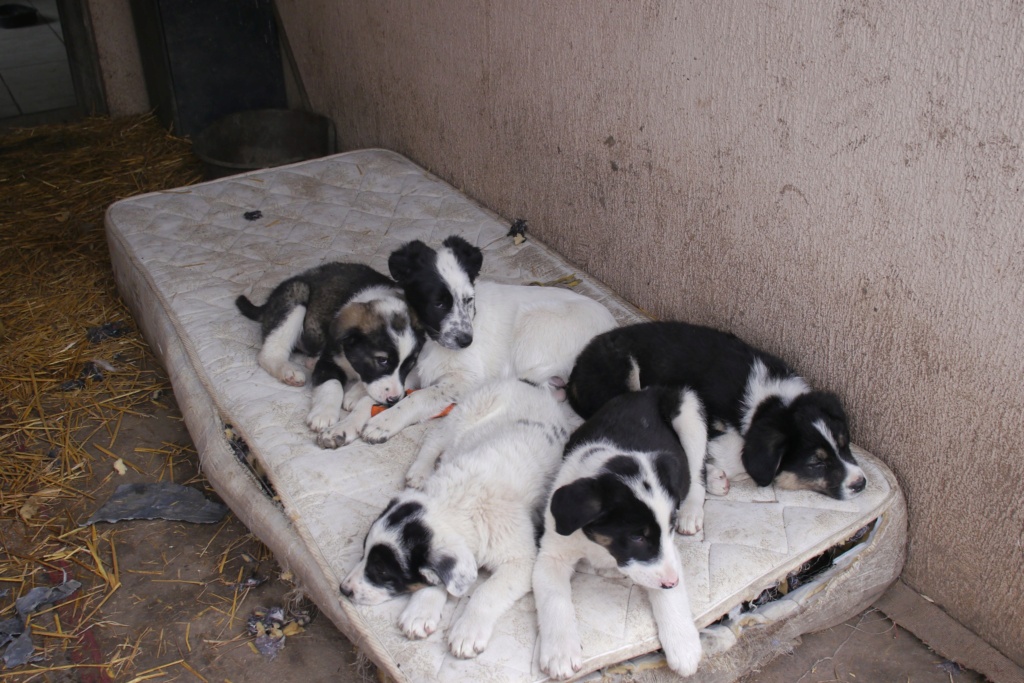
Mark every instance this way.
x=479 y=331
x=480 y=508
x=353 y=321
x=614 y=503
x=764 y=421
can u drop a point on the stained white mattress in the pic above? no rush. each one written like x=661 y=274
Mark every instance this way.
x=182 y=256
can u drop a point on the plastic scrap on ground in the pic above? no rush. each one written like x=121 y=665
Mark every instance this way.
x=13 y=634
x=158 y=500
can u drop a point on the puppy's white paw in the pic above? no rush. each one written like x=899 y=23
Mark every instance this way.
x=417 y=476
x=291 y=374
x=378 y=429
x=717 y=483
x=469 y=636
x=342 y=434
x=349 y=401
x=419 y=621
x=561 y=657
x=321 y=418
x=682 y=650
x=557 y=385
x=690 y=519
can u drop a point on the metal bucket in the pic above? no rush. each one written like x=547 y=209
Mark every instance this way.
x=262 y=138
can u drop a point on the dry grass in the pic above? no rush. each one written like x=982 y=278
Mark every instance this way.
x=63 y=396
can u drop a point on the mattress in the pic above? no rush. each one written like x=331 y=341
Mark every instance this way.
x=182 y=256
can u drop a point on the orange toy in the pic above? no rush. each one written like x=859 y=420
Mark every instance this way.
x=377 y=408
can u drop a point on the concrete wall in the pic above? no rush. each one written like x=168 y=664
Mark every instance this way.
x=838 y=182
x=118 y=53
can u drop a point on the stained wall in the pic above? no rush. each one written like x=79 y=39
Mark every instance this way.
x=840 y=183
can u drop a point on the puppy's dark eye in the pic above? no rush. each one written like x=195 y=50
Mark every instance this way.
x=468 y=300
x=638 y=536
x=383 y=361
x=439 y=304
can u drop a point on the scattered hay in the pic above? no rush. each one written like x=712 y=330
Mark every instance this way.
x=72 y=364
x=58 y=389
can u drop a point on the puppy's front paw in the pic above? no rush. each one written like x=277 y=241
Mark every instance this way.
x=349 y=401
x=342 y=434
x=690 y=519
x=417 y=476
x=682 y=650
x=469 y=636
x=321 y=418
x=717 y=483
x=562 y=657
x=378 y=429
x=291 y=374
x=417 y=624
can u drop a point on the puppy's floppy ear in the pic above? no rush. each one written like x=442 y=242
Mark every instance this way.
x=409 y=258
x=452 y=566
x=765 y=442
x=575 y=505
x=470 y=257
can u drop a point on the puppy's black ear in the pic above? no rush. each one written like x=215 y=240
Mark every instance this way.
x=407 y=259
x=470 y=257
x=575 y=505
x=453 y=567
x=765 y=442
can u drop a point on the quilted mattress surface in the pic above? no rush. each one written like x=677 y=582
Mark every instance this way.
x=183 y=256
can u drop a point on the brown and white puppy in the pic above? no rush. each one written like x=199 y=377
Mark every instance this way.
x=354 y=321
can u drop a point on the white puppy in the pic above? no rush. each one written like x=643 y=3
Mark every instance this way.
x=499 y=450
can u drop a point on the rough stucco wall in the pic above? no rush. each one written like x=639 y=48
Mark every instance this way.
x=837 y=182
x=118 y=53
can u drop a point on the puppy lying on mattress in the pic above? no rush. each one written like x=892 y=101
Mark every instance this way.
x=758 y=417
x=615 y=503
x=356 y=325
x=477 y=331
x=479 y=508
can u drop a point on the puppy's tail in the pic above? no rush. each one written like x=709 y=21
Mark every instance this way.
x=248 y=308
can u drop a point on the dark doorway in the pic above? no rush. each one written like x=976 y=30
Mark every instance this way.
x=48 y=69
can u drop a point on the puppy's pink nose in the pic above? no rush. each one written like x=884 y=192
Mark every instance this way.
x=669 y=584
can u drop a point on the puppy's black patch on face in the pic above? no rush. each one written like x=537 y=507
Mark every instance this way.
x=385 y=571
x=398 y=568
x=626 y=526
x=814 y=460
x=443 y=567
x=401 y=513
x=370 y=351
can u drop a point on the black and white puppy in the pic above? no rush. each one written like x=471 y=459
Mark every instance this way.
x=354 y=321
x=763 y=419
x=480 y=508
x=614 y=503
x=478 y=331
